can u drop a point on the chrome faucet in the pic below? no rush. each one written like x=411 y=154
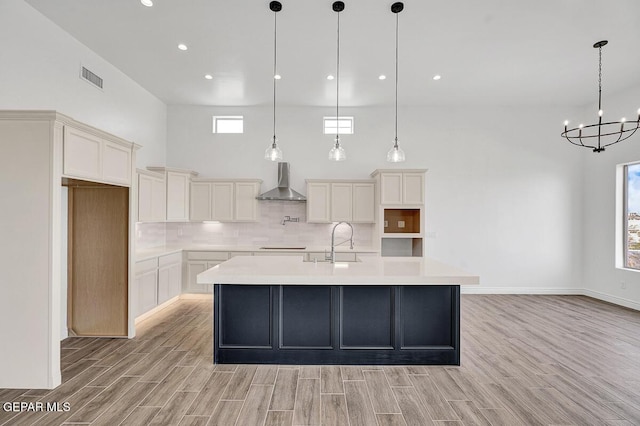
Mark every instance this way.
x=289 y=219
x=332 y=256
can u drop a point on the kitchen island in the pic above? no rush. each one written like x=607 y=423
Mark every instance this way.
x=379 y=310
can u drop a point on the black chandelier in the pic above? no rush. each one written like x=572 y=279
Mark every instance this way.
x=604 y=134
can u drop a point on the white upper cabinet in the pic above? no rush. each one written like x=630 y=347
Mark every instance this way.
x=200 y=201
x=151 y=197
x=97 y=158
x=364 y=207
x=246 y=206
x=225 y=201
x=401 y=187
x=178 y=183
x=82 y=154
x=340 y=201
x=318 y=202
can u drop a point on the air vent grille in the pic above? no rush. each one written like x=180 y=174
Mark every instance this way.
x=91 y=77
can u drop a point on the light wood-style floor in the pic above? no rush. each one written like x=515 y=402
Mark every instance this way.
x=526 y=360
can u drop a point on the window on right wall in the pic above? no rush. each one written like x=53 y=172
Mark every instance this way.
x=631 y=211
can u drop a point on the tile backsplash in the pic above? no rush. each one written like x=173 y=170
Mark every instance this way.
x=269 y=230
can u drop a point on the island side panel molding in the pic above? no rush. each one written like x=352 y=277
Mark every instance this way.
x=285 y=312
x=367 y=317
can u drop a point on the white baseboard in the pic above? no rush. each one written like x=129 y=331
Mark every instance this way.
x=613 y=299
x=520 y=290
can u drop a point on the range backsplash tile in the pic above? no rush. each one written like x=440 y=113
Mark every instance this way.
x=269 y=230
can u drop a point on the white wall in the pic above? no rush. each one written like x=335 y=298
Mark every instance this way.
x=602 y=278
x=504 y=193
x=40 y=70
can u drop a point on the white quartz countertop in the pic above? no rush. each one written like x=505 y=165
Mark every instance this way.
x=148 y=253
x=370 y=270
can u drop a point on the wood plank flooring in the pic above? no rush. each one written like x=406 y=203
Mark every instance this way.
x=526 y=360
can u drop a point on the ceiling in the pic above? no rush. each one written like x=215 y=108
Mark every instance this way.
x=499 y=52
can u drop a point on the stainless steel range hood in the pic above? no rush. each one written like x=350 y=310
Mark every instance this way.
x=282 y=192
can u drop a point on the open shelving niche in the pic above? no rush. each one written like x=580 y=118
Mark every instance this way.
x=401 y=227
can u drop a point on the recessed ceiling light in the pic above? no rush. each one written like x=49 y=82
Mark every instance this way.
x=382 y=77
x=437 y=77
x=208 y=76
x=329 y=77
x=277 y=76
x=182 y=46
x=147 y=3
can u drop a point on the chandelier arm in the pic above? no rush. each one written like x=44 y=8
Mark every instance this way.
x=622 y=139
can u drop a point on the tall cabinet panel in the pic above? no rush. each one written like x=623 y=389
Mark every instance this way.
x=178 y=183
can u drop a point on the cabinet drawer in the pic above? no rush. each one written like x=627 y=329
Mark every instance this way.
x=208 y=255
x=146 y=265
x=170 y=259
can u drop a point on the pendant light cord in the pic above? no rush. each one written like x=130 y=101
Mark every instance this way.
x=396 y=129
x=338 y=84
x=275 y=59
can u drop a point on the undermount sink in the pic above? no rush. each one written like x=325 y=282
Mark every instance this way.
x=282 y=248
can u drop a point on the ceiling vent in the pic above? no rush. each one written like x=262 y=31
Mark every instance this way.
x=90 y=77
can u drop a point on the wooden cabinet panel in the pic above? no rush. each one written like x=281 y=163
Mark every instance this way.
x=158 y=200
x=194 y=267
x=341 y=202
x=82 y=153
x=116 y=163
x=364 y=208
x=318 y=202
x=169 y=282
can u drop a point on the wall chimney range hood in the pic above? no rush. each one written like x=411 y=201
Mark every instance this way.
x=282 y=192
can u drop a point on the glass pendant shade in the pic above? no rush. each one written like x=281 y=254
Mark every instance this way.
x=395 y=154
x=337 y=152
x=273 y=152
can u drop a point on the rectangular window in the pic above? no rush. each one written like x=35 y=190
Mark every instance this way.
x=340 y=126
x=632 y=216
x=228 y=124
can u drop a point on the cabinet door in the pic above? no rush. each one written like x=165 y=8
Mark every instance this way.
x=364 y=209
x=164 y=284
x=116 y=163
x=341 y=202
x=222 y=207
x=158 y=200
x=147 y=291
x=177 y=197
x=175 y=280
x=413 y=188
x=145 y=198
x=318 y=202
x=246 y=204
x=391 y=188
x=200 y=201
x=82 y=153
x=193 y=269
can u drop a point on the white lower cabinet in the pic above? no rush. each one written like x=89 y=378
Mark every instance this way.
x=147 y=291
x=198 y=262
x=157 y=280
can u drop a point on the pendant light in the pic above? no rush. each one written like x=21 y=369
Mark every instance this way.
x=337 y=152
x=601 y=134
x=396 y=154
x=273 y=152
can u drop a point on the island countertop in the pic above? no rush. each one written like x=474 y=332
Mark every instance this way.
x=283 y=270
